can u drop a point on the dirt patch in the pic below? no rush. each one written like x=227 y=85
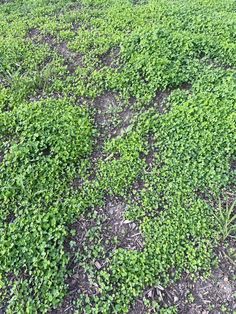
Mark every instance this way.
x=226 y=198
x=106 y=107
x=127 y=232
x=233 y=165
x=228 y=195
x=72 y=59
x=111 y=58
x=4 y=82
x=77 y=183
x=78 y=281
x=139 y=2
x=138 y=308
x=2 y=2
x=106 y=233
x=214 y=63
x=1 y=156
x=214 y=295
x=185 y=86
x=113 y=117
x=105 y=104
x=154 y=295
x=76 y=26
x=41 y=95
x=80 y=227
x=33 y=32
x=110 y=224
x=210 y=296
x=74 y=6
x=126 y=118
x=160 y=101
x=3 y=310
x=10 y=218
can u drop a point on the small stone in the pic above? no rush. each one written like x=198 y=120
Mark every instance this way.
x=98 y=265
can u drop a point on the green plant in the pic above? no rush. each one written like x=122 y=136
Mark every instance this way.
x=226 y=218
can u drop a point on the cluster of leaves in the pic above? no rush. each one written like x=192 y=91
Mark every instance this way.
x=46 y=143
x=161 y=44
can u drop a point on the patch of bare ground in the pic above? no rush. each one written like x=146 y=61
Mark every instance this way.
x=110 y=231
x=233 y=165
x=114 y=230
x=75 y=6
x=139 y=2
x=228 y=195
x=4 y=82
x=78 y=282
x=160 y=101
x=216 y=64
x=75 y=26
x=106 y=106
x=33 y=33
x=127 y=232
x=2 y=2
x=112 y=117
x=214 y=295
x=1 y=156
x=139 y=185
x=72 y=59
x=111 y=58
x=226 y=198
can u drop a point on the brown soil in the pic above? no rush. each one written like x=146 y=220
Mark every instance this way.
x=4 y=82
x=1 y=156
x=111 y=58
x=214 y=295
x=160 y=101
x=127 y=232
x=72 y=59
x=78 y=282
x=114 y=232
x=113 y=117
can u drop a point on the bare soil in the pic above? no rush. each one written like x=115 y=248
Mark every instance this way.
x=72 y=59
x=213 y=295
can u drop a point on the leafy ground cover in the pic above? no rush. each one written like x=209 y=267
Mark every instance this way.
x=117 y=156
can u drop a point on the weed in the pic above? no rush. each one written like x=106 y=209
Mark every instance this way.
x=226 y=219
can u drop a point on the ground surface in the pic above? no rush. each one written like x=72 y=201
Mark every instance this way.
x=118 y=156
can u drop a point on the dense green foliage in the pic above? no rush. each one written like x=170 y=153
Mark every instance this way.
x=56 y=59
